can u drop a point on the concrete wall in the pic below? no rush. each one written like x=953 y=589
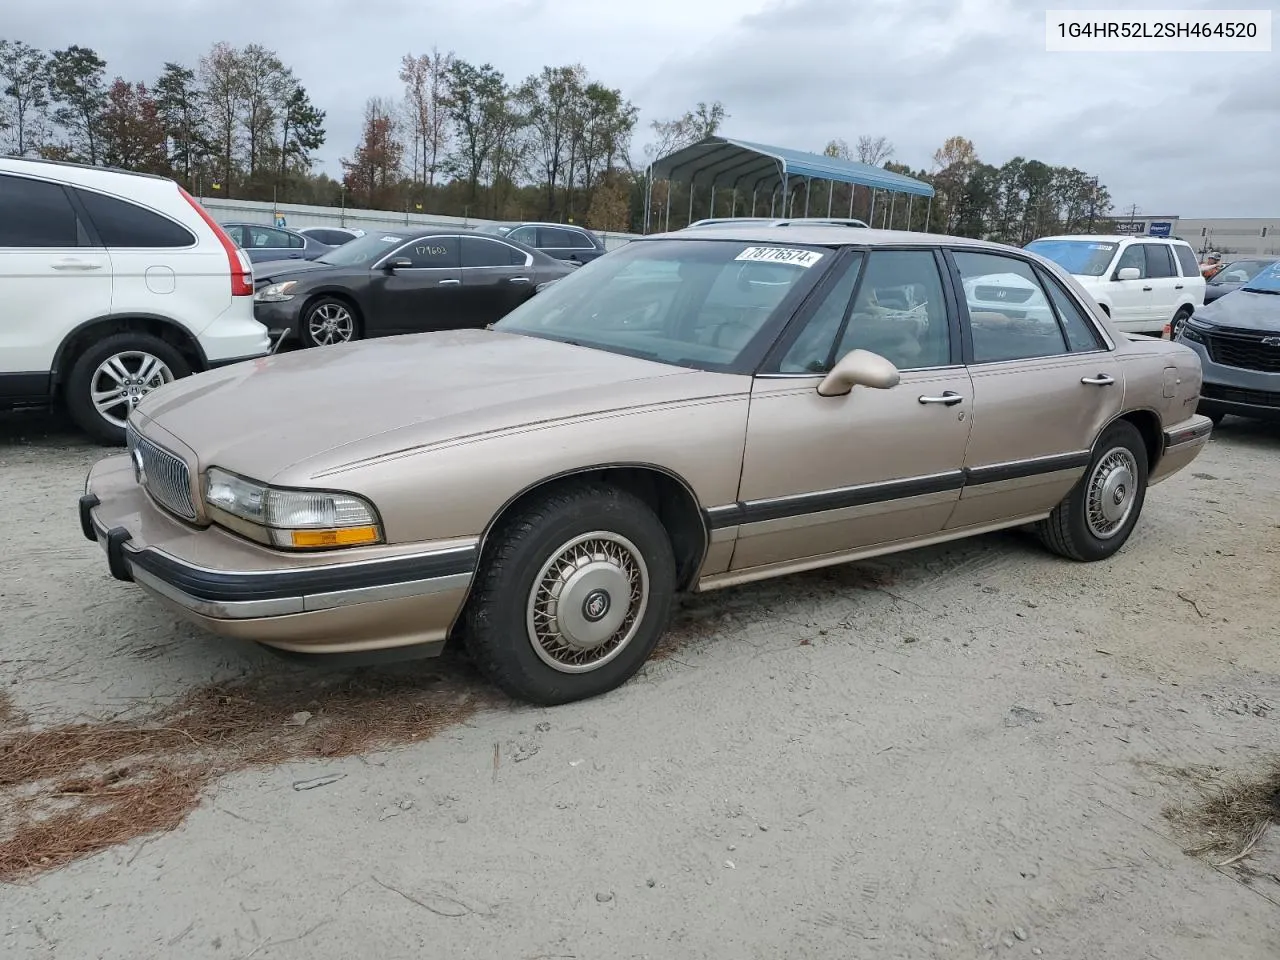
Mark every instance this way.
x=298 y=215
x=1235 y=237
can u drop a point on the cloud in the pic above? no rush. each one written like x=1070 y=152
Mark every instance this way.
x=1193 y=134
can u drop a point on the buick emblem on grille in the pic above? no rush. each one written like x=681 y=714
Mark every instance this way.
x=1271 y=341
x=139 y=468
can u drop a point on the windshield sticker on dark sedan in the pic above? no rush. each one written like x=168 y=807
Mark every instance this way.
x=390 y=239
x=799 y=258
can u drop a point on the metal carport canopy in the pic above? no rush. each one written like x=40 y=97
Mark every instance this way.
x=721 y=161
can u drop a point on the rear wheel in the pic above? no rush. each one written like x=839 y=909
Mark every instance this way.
x=328 y=321
x=572 y=595
x=1098 y=515
x=112 y=376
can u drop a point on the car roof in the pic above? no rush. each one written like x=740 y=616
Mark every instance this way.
x=825 y=235
x=13 y=164
x=1111 y=238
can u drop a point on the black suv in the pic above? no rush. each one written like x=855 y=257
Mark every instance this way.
x=563 y=241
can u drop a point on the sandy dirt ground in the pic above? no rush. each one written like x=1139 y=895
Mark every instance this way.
x=965 y=751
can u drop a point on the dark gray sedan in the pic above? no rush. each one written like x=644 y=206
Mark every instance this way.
x=1234 y=276
x=263 y=243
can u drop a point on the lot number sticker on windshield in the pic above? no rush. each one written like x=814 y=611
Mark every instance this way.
x=799 y=258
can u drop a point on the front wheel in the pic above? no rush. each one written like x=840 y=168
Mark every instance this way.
x=572 y=595
x=1098 y=515
x=111 y=377
x=1178 y=320
x=328 y=321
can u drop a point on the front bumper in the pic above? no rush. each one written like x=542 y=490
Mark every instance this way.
x=279 y=317
x=1235 y=390
x=370 y=599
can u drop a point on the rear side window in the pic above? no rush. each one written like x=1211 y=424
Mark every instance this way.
x=477 y=252
x=556 y=239
x=1081 y=335
x=1159 y=261
x=296 y=241
x=123 y=224
x=1187 y=260
x=579 y=240
x=36 y=214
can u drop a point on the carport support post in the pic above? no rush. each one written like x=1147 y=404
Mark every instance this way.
x=871 y=217
x=808 y=187
x=668 y=227
x=690 y=220
x=754 y=191
x=893 y=198
x=910 y=197
x=713 y=199
x=733 y=203
x=927 y=214
x=831 y=194
x=852 y=190
x=648 y=198
x=783 y=194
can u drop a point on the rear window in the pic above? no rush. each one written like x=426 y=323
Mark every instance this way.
x=1186 y=260
x=36 y=214
x=123 y=224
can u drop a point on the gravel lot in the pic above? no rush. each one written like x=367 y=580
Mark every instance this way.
x=964 y=751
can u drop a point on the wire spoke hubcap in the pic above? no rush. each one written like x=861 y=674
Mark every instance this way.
x=1113 y=489
x=587 y=602
x=122 y=380
x=330 y=323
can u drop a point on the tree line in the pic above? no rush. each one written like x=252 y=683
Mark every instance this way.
x=462 y=139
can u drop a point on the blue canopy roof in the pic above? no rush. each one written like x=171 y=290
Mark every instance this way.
x=741 y=164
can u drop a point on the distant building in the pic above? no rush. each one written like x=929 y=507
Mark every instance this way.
x=1232 y=236
x=1148 y=226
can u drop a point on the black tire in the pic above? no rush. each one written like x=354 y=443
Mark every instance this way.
x=79 y=387
x=1216 y=417
x=345 y=331
x=1067 y=531
x=498 y=637
x=1178 y=320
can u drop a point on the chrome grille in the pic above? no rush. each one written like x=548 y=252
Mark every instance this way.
x=166 y=476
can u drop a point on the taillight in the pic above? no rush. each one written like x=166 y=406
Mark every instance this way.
x=237 y=259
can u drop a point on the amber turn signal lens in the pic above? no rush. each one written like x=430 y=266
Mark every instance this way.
x=343 y=537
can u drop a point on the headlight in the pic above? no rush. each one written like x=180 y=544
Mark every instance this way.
x=295 y=519
x=1194 y=329
x=276 y=292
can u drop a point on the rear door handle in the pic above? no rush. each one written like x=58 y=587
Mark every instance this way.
x=517 y=280
x=71 y=264
x=1178 y=286
x=449 y=283
x=1146 y=288
x=1101 y=380
x=949 y=398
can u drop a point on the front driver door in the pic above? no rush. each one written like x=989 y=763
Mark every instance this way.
x=424 y=294
x=1044 y=386
x=1131 y=300
x=826 y=476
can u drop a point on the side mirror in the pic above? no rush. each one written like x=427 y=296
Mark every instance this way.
x=859 y=368
x=1128 y=273
x=399 y=263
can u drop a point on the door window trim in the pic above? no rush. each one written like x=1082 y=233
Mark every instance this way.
x=86 y=236
x=528 y=257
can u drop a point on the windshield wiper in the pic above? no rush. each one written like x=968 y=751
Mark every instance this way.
x=1270 y=293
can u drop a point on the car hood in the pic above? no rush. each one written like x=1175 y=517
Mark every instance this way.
x=275 y=270
x=285 y=417
x=1244 y=310
x=1215 y=290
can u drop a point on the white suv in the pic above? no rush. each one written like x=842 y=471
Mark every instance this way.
x=1145 y=284
x=113 y=284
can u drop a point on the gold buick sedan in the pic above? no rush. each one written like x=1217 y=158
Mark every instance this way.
x=691 y=411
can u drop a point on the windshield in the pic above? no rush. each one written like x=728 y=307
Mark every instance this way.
x=1084 y=258
x=1240 y=271
x=1267 y=281
x=364 y=249
x=691 y=303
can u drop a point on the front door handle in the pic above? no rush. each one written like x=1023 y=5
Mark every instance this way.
x=1146 y=289
x=1177 y=286
x=1101 y=380
x=449 y=283
x=70 y=264
x=949 y=398
x=517 y=280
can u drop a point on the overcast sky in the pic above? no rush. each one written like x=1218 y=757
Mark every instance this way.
x=1184 y=134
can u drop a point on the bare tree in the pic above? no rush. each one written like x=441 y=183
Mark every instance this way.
x=415 y=74
x=24 y=82
x=874 y=150
x=222 y=79
x=267 y=84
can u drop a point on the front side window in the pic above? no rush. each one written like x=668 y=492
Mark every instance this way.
x=693 y=303
x=121 y=224
x=900 y=312
x=1240 y=271
x=1159 y=261
x=814 y=349
x=1021 y=325
x=433 y=253
x=1084 y=258
x=1133 y=257
x=36 y=214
